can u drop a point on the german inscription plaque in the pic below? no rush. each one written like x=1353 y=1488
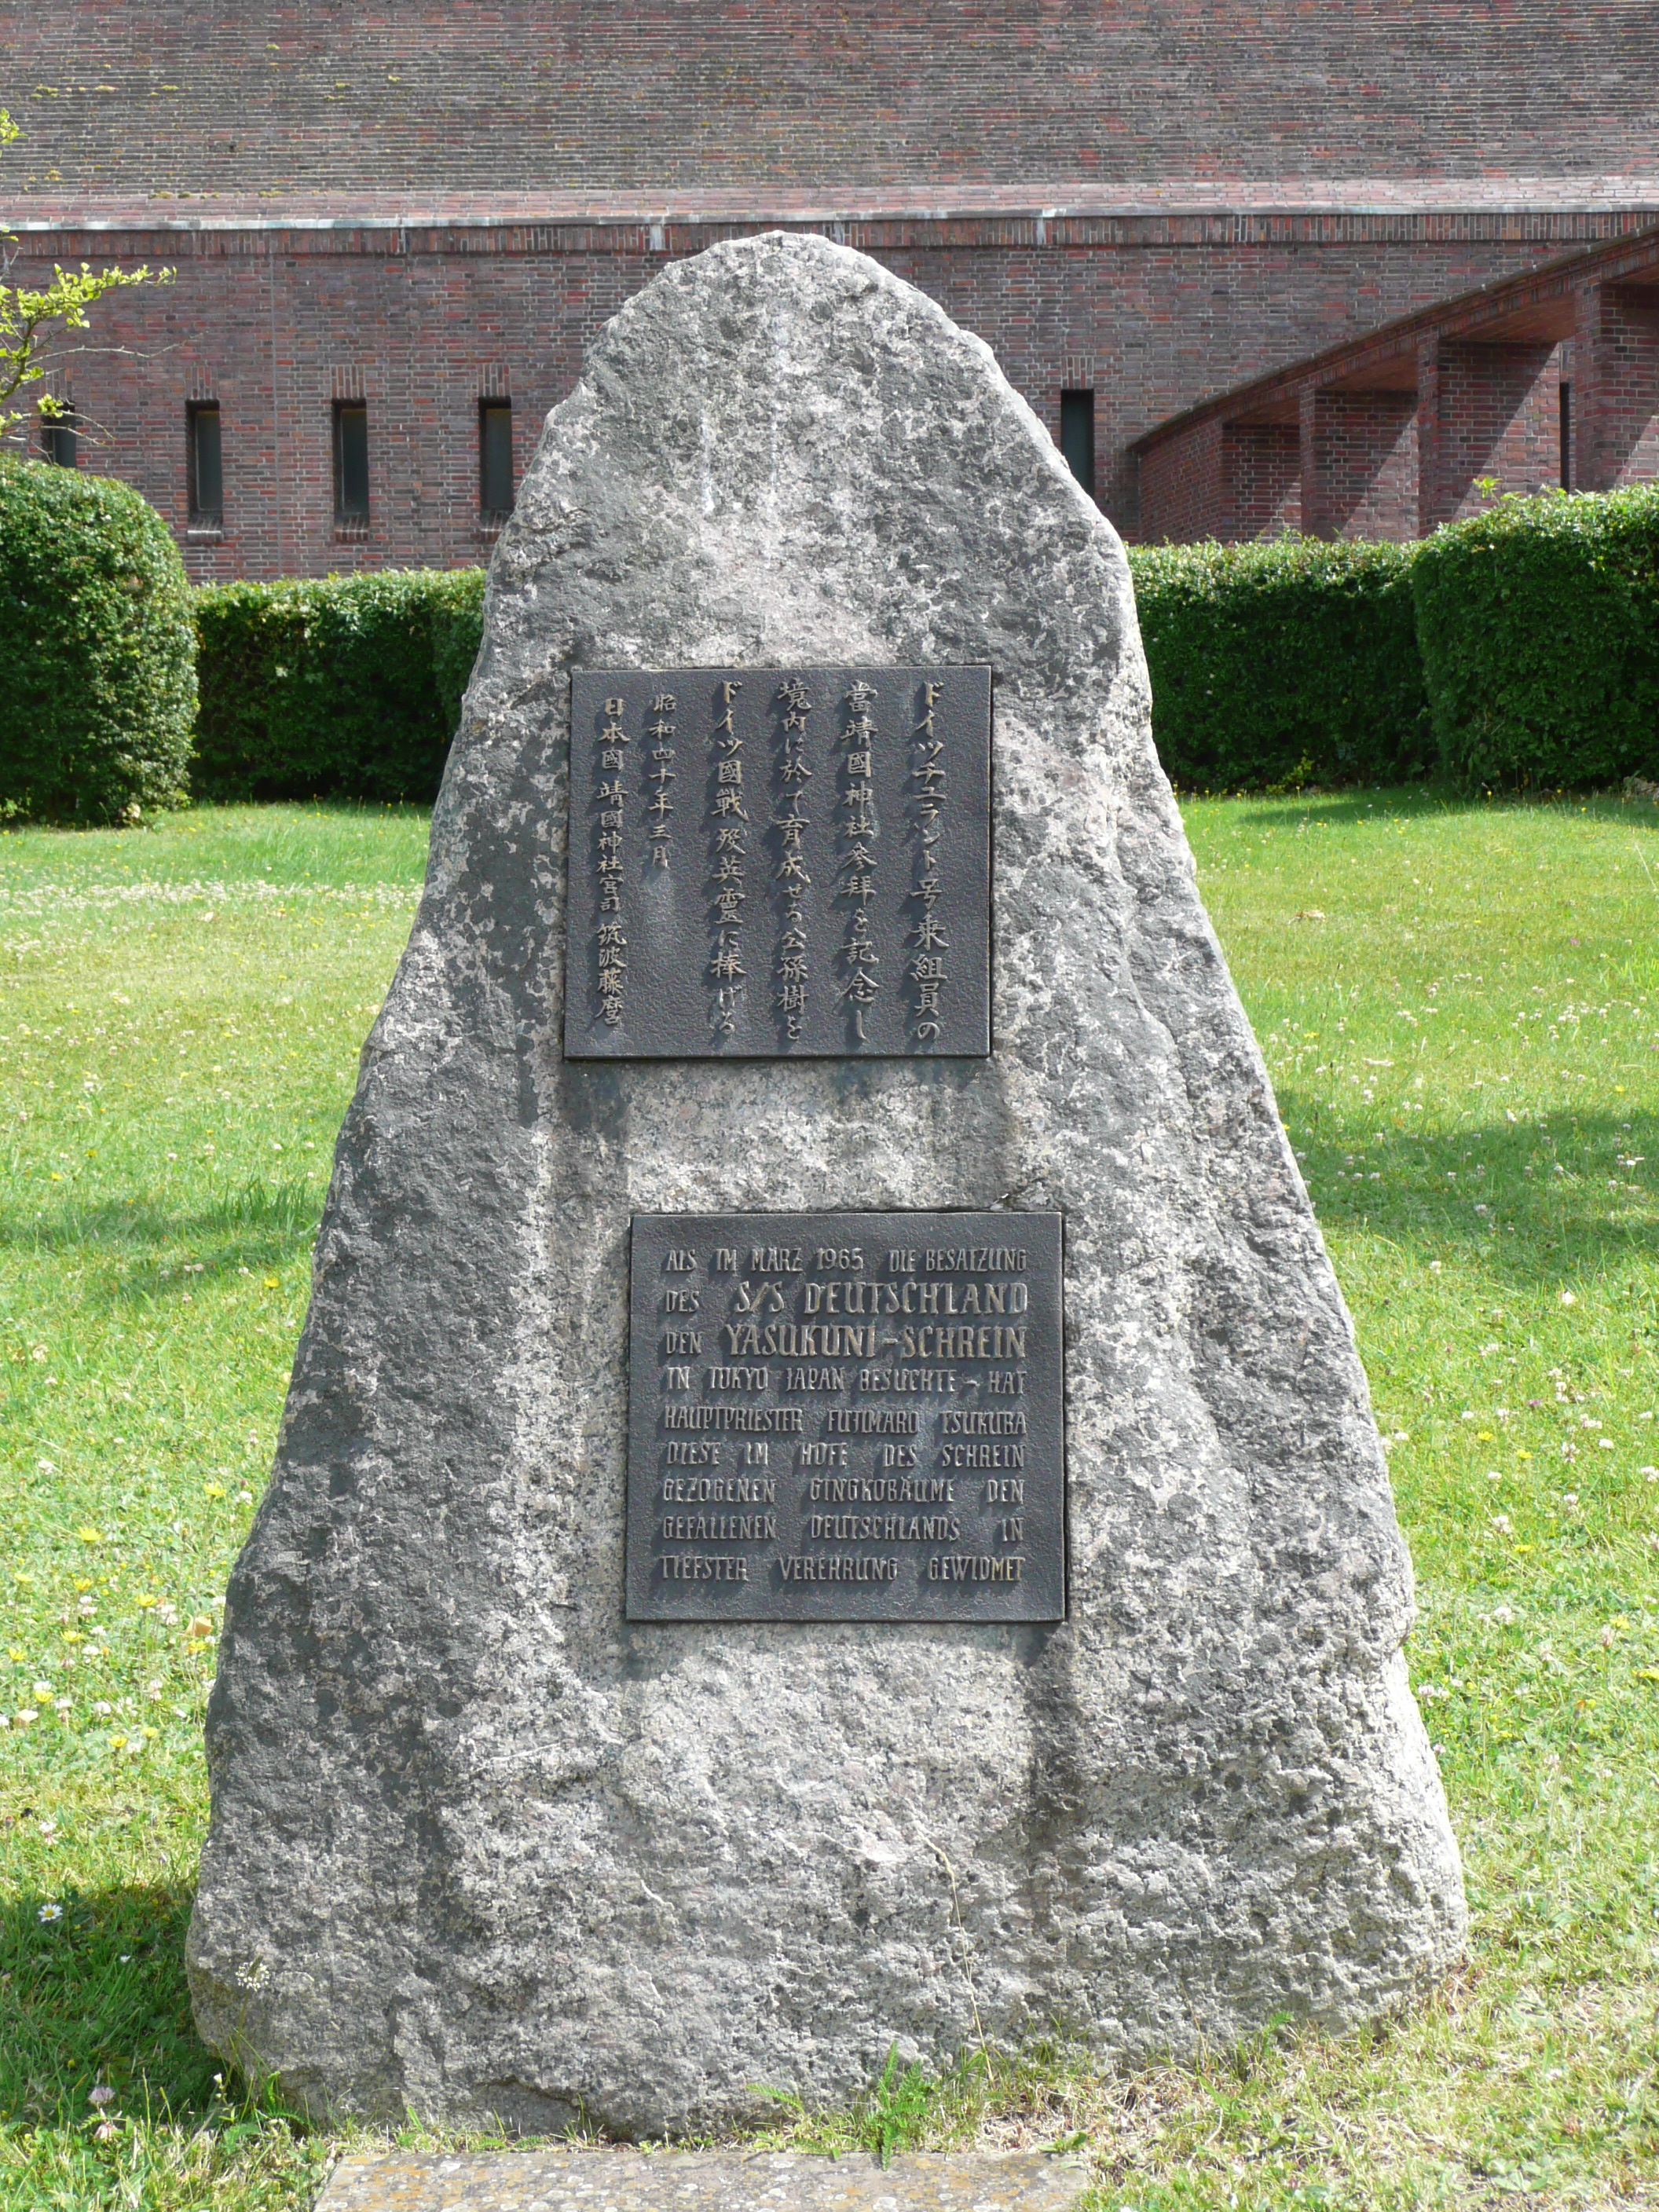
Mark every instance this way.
x=846 y=1417
x=770 y=862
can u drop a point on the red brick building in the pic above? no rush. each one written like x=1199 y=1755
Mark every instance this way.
x=395 y=227
x=1550 y=377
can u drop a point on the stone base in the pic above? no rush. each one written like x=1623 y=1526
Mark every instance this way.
x=702 y=2181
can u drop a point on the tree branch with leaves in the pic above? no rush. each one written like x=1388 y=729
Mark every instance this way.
x=32 y=318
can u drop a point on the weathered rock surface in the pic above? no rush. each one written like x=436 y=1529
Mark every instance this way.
x=476 y=1846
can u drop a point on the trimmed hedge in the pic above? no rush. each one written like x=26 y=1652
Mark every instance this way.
x=1539 y=625
x=97 y=650
x=1282 y=664
x=1521 y=648
x=345 y=686
x=456 y=634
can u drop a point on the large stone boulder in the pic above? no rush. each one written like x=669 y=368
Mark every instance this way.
x=480 y=1847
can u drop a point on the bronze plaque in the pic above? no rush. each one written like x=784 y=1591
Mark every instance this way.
x=846 y=1417
x=773 y=862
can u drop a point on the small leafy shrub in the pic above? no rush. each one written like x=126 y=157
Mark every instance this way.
x=97 y=650
x=348 y=686
x=1276 y=665
x=1539 y=622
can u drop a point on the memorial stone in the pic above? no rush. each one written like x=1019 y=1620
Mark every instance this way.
x=550 y=1784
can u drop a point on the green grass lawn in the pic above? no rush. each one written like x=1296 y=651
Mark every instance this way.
x=1460 y=1010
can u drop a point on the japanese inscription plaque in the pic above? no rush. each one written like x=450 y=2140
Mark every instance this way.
x=846 y=1417
x=769 y=862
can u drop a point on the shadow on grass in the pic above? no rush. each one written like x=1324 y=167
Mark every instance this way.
x=260 y=1223
x=1558 y=1222
x=265 y=827
x=96 y=1995
x=1345 y=809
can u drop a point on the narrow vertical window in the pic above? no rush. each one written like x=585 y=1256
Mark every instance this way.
x=1077 y=436
x=59 y=440
x=1566 y=437
x=350 y=461
x=207 y=482
x=494 y=459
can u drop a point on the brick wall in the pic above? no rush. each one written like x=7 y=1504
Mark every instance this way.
x=1261 y=479
x=1616 y=353
x=1182 y=483
x=1358 y=462
x=1154 y=312
x=1491 y=413
x=1423 y=418
x=662 y=96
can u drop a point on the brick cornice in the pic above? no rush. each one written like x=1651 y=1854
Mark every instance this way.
x=1249 y=215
